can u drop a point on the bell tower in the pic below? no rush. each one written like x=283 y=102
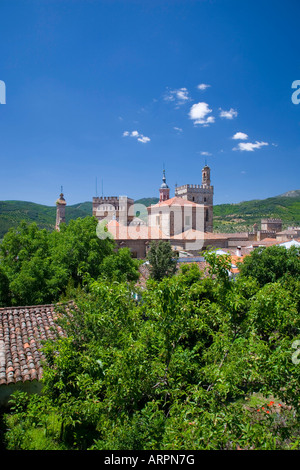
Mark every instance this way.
x=206 y=176
x=164 y=190
x=200 y=194
x=60 y=210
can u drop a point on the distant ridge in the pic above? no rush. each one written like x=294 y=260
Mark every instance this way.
x=242 y=216
x=227 y=217
x=294 y=193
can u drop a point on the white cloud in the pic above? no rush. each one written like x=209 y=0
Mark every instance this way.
x=203 y=86
x=143 y=139
x=178 y=129
x=199 y=114
x=250 y=147
x=134 y=134
x=180 y=96
x=207 y=154
x=228 y=114
x=240 y=136
x=140 y=137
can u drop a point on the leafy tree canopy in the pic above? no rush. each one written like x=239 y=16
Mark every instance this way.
x=197 y=363
x=37 y=266
x=162 y=259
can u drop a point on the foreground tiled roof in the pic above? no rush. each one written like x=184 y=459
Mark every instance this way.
x=22 y=330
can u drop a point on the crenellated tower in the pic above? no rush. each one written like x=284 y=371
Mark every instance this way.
x=200 y=194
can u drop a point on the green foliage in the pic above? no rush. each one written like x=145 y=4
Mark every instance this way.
x=199 y=362
x=120 y=266
x=162 y=259
x=38 y=267
x=271 y=264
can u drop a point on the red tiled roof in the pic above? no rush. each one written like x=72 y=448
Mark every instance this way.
x=22 y=330
x=134 y=232
x=192 y=234
x=175 y=201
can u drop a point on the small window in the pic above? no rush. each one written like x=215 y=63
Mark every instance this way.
x=187 y=220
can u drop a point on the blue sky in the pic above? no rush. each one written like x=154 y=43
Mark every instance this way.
x=115 y=90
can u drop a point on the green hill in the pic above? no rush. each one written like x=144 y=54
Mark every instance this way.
x=147 y=201
x=13 y=212
x=227 y=217
x=242 y=216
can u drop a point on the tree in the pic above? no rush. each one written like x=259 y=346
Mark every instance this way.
x=198 y=363
x=120 y=266
x=271 y=264
x=76 y=249
x=37 y=266
x=162 y=259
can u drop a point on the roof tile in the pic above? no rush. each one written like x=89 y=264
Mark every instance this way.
x=22 y=330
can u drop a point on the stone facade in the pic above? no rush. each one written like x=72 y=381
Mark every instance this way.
x=175 y=216
x=114 y=208
x=60 y=211
x=200 y=194
x=271 y=225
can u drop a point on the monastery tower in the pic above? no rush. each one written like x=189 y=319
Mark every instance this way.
x=60 y=211
x=200 y=194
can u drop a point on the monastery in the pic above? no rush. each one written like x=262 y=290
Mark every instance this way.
x=185 y=220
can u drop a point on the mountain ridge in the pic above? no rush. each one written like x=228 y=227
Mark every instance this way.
x=227 y=217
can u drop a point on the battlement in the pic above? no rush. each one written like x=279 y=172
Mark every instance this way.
x=271 y=224
x=271 y=221
x=199 y=187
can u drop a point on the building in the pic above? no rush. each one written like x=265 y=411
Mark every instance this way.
x=164 y=190
x=289 y=234
x=114 y=208
x=190 y=209
x=60 y=211
x=200 y=194
x=271 y=225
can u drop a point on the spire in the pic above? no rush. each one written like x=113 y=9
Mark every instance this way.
x=164 y=183
x=164 y=190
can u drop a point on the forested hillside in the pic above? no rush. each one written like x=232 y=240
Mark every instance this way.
x=13 y=212
x=242 y=216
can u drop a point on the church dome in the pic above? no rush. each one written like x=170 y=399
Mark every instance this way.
x=164 y=184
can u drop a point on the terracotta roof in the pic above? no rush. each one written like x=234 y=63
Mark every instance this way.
x=22 y=330
x=192 y=234
x=134 y=232
x=291 y=231
x=175 y=201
